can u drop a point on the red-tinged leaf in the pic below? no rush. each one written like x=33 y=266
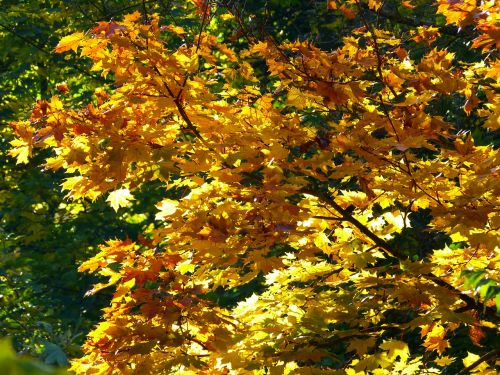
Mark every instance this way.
x=402 y=53
x=350 y=13
x=476 y=334
x=485 y=42
x=62 y=87
x=43 y=134
x=39 y=110
x=203 y=7
x=108 y=28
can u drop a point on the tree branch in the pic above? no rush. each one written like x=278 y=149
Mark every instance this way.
x=494 y=353
x=347 y=216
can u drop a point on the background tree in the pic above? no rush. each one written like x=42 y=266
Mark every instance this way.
x=43 y=236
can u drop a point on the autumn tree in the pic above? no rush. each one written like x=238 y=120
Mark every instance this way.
x=356 y=188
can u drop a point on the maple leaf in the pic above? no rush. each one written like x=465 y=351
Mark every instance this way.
x=167 y=208
x=396 y=349
x=108 y=28
x=375 y=4
x=476 y=334
x=120 y=198
x=444 y=361
x=69 y=42
x=332 y=4
x=408 y=4
x=62 y=87
x=435 y=339
x=472 y=358
x=350 y=13
x=185 y=267
x=21 y=151
x=361 y=346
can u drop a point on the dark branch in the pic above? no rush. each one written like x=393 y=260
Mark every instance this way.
x=345 y=215
x=484 y=358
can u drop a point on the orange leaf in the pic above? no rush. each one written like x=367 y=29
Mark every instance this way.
x=348 y=12
x=407 y=4
x=435 y=339
x=70 y=42
x=332 y=4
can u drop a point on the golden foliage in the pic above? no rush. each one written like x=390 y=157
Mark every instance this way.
x=249 y=167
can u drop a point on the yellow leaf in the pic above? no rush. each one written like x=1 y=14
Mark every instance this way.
x=396 y=348
x=133 y=17
x=119 y=198
x=444 y=361
x=322 y=242
x=21 y=151
x=71 y=182
x=361 y=260
x=185 y=267
x=123 y=289
x=384 y=201
x=226 y=16
x=361 y=346
x=470 y=359
x=70 y=42
x=374 y=4
x=187 y=61
x=114 y=277
x=167 y=207
x=175 y=29
x=296 y=98
x=457 y=237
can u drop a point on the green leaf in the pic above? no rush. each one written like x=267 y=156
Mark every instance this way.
x=12 y=364
x=472 y=278
x=487 y=288
x=54 y=355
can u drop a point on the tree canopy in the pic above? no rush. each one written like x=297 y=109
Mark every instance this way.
x=325 y=176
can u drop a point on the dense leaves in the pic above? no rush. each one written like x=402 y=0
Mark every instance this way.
x=327 y=209
x=43 y=236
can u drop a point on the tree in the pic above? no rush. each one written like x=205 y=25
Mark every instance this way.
x=355 y=190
